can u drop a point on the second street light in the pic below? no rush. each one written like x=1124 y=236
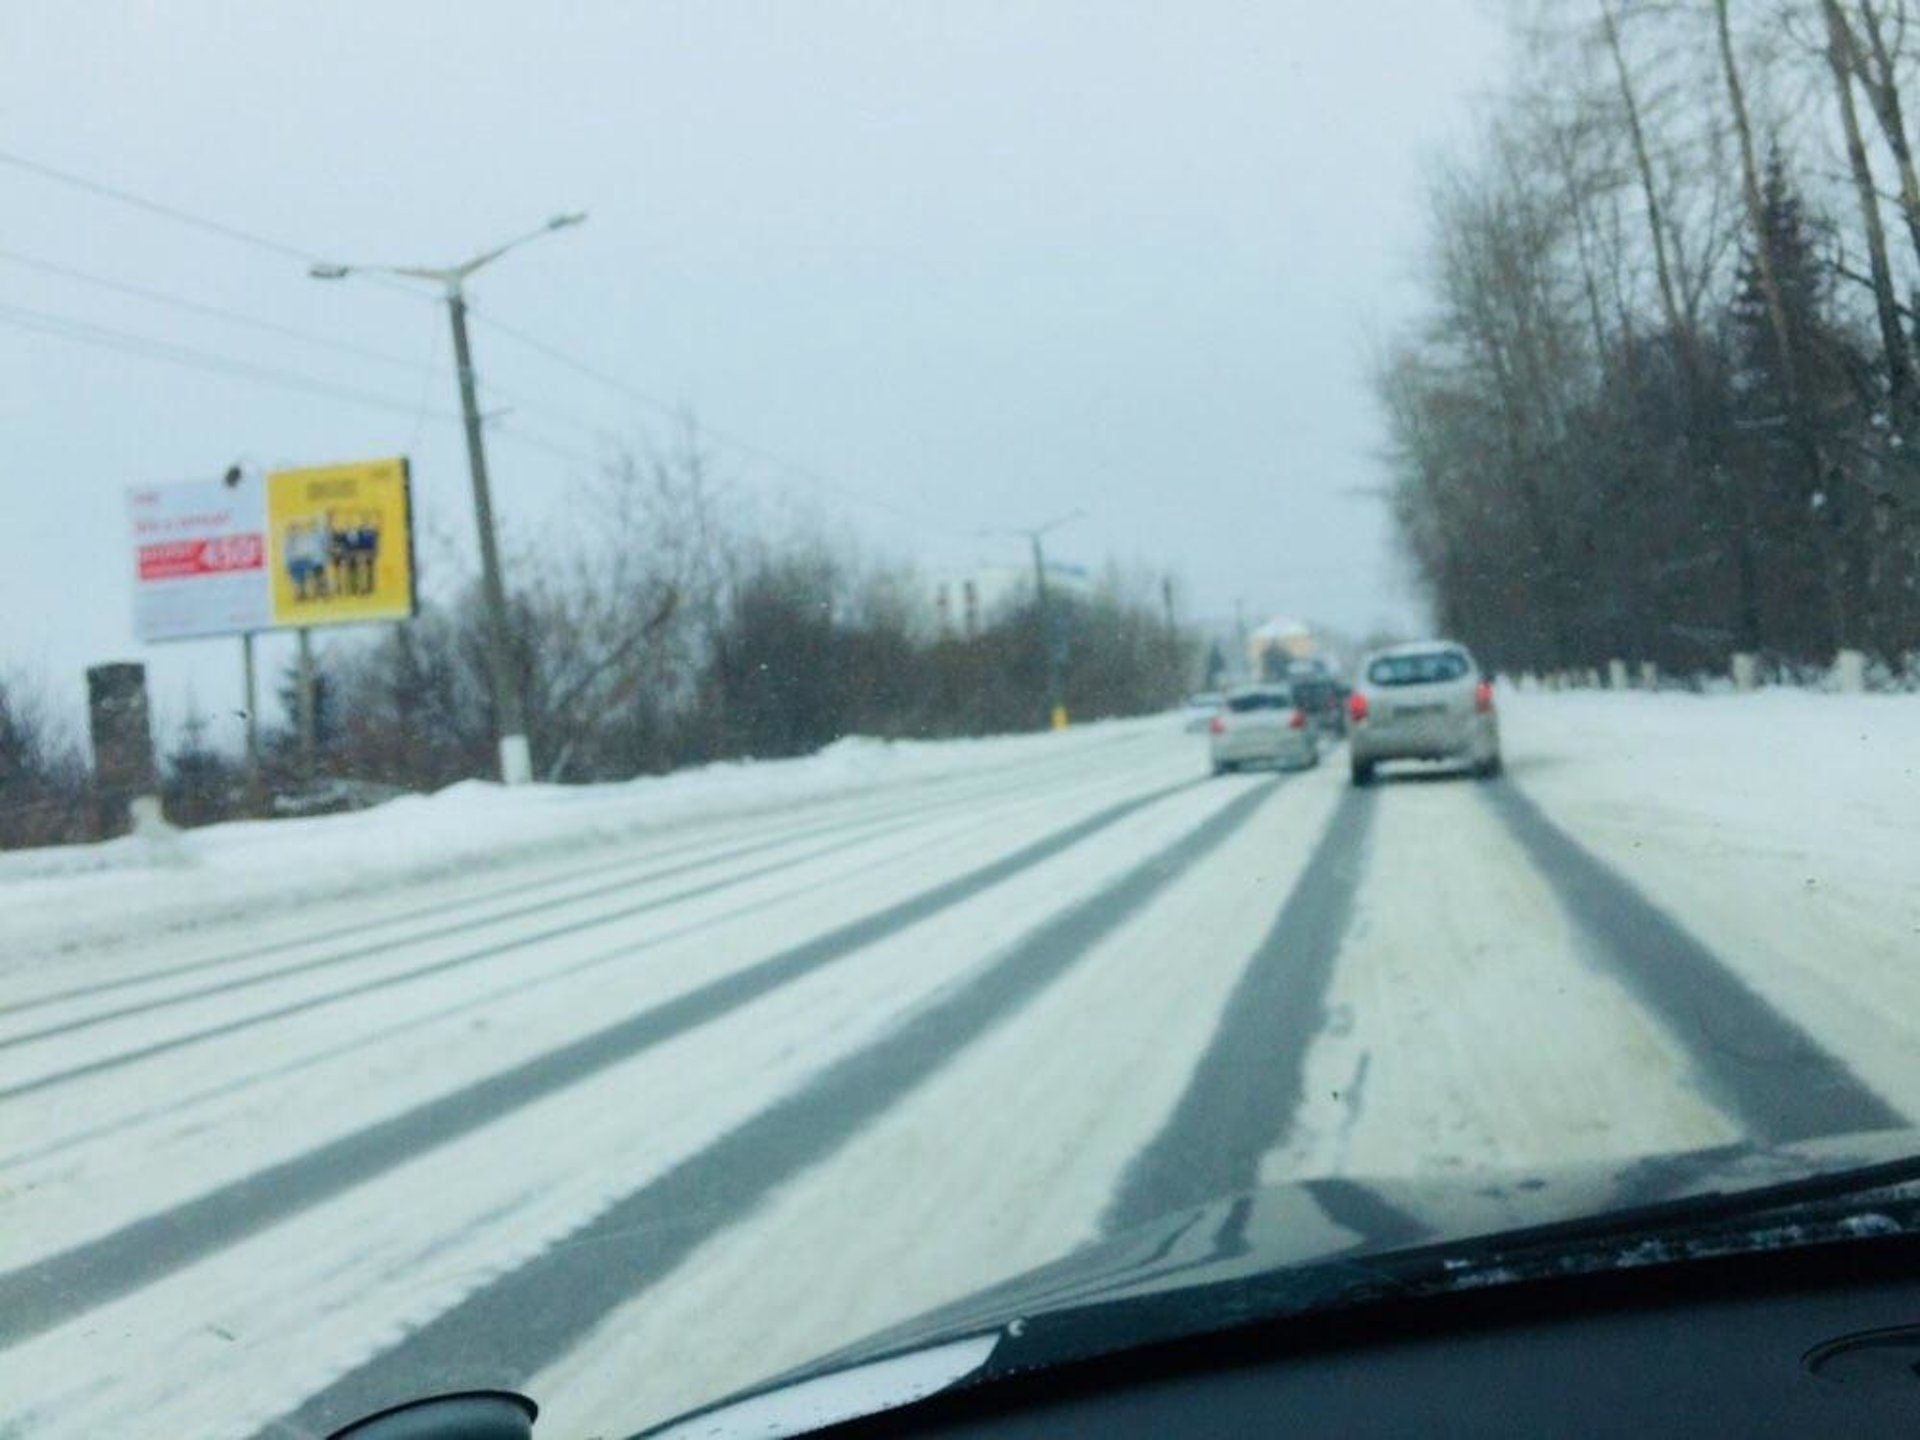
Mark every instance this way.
x=509 y=707
x=1051 y=642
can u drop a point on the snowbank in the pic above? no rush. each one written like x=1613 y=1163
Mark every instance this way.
x=79 y=894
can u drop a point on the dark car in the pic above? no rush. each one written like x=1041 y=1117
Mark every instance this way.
x=1324 y=700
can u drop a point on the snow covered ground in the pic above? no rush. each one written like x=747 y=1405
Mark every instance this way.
x=633 y=1095
x=1782 y=827
x=74 y=896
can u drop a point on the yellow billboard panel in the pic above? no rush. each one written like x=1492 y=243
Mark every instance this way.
x=340 y=543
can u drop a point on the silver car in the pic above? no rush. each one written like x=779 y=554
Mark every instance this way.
x=1428 y=701
x=1261 y=725
x=1200 y=709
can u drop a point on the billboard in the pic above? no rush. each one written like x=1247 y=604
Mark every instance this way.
x=325 y=546
x=199 y=560
x=339 y=544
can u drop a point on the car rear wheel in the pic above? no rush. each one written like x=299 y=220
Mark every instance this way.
x=1489 y=768
x=1224 y=767
x=1363 y=772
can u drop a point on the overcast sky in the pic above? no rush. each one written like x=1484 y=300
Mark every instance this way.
x=980 y=263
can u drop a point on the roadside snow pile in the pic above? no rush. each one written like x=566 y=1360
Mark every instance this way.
x=1835 y=778
x=67 y=894
x=1781 y=827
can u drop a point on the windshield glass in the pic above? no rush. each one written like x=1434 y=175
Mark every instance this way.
x=615 y=763
x=1431 y=668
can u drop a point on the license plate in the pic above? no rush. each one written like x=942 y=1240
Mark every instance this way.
x=1414 y=712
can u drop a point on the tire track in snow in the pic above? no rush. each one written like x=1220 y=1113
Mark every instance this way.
x=955 y=791
x=464 y=906
x=1749 y=1059
x=48 y=1292
x=495 y=951
x=333 y=959
x=370 y=1039
x=176 y=1103
x=845 y=833
x=1247 y=1085
x=514 y=1326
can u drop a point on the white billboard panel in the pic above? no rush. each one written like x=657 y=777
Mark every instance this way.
x=199 y=559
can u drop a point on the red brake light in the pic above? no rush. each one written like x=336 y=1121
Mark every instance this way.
x=1356 y=707
x=1217 y=725
x=1483 y=697
x=1298 y=720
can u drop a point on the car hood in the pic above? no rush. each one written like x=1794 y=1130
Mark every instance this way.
x=1320 y=1245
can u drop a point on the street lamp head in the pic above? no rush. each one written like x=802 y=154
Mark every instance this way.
x=561 y=222
x=322 y=271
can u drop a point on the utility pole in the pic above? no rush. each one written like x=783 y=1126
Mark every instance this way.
x=509 y=708
x=1043 y=614
x=516 y=758
x=1056 y=707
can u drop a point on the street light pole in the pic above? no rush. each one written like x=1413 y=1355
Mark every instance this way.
x=509 y=706
x=1043 y=608
x=1056 y=708
x=516 y=758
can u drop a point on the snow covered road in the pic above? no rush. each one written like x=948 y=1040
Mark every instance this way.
x=645 y=1100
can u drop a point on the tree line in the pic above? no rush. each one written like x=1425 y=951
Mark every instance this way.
x=662 y=627
x=1662 y=403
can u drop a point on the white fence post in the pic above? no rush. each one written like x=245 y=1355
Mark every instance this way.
x=1850 y=672
x=1649 y=675
x=1746 y=670
x=1616 y=674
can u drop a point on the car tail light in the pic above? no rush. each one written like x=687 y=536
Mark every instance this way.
x=1483 y=697
x=1217 y=725
x=1356 y=707
x=1297 y=721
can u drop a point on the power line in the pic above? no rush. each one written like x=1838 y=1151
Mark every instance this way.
x=210 y=312
x=168 y=352
x=237 y=235
x=273 y=327
x=152 y=207
x=798 y=469
x=102 y=190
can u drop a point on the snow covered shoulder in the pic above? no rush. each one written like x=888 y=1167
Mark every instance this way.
x=68 y=896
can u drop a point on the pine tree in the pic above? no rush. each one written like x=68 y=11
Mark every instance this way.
x=1796 y=395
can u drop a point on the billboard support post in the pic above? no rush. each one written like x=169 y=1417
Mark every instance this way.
x=308 y=739
x=250 y=685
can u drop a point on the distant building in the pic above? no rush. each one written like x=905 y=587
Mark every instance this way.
x=1272 y=647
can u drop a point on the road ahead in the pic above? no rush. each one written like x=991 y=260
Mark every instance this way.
x=630 y=1129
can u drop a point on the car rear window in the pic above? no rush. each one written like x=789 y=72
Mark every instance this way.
x=1260 y=700
x=1429 y=668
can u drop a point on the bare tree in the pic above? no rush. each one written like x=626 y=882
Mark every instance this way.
x=1843 y=62
x=1877 y=64
x=1643 y=167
